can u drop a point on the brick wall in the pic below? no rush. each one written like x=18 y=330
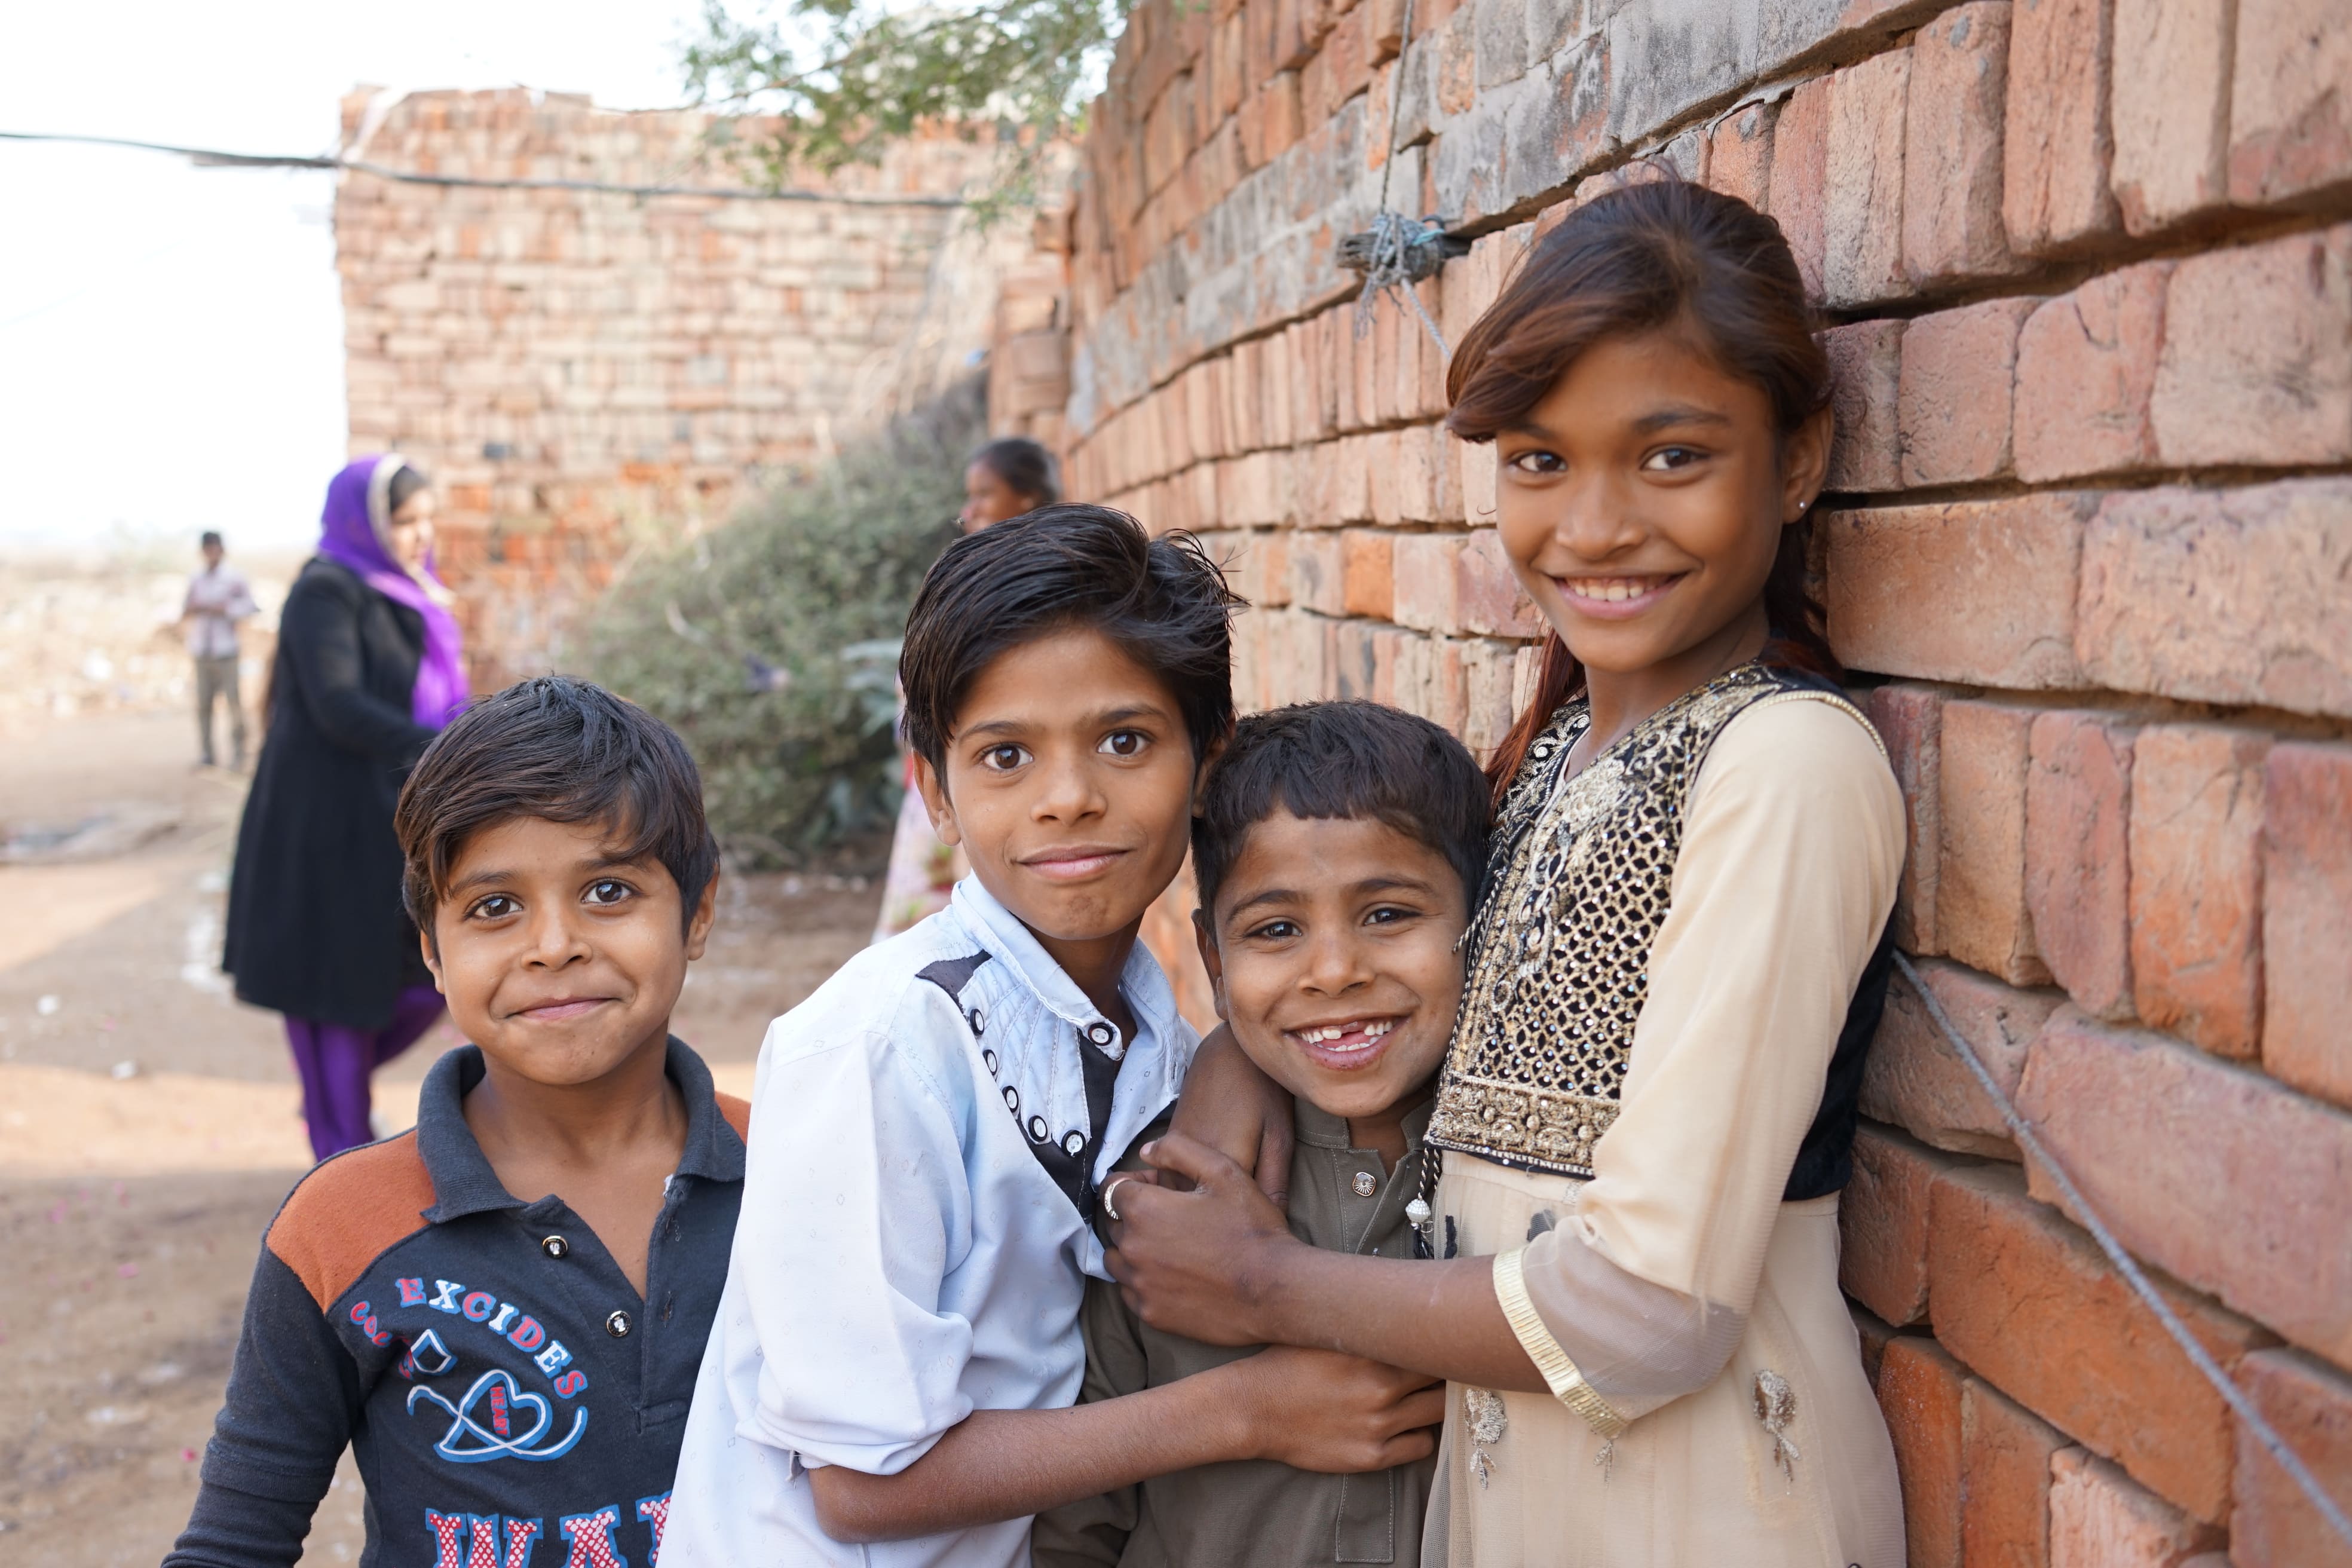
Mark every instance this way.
x=2088 y=549
x=585 y=373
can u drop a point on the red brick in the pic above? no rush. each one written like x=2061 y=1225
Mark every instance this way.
x=1339 y=484
x=2307 y=918
x=1489 y=593
x=2170 y=110
x=1981 y=591
x=1168 y=134
x=1739 y=156
x=1323 y=386
x=2077 y=864
x=2087 y=366
x=2029 y=1303
x=2222 y=595
x=2197 y=884
x=1354 y=675
x=1908 y=720
x=2310 y=1407
x=2291 y=115
x=1915 y=1079
x=1285 y=121
x=1431 y=401
x=1875 y=1335
x=1953 y=412
x=1882 y=1261
x=1374 y=395
x=1319 y=573
x=2005 y=1454
x=1403 y=475
x=1449 y=665
x=1800 y=161
x=1865 y=372
x=2257 y=363
x=1474 y=479
x=2098 y=1519
x=1391 y=665
x=2055 y=144
x=1369 y=576
x=1486 y=695
x=1863 y=201
x=2221 y=1177
x=1920 y=1391
x=1952 y=146
x=1982 y=916
x=1339 y=341
x=1427 y=574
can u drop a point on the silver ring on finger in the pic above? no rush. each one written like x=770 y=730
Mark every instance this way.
x=1110 y=1207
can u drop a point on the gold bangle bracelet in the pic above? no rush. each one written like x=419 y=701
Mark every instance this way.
x=1560 y=1374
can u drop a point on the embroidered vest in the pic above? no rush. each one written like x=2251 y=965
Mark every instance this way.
x=1579 y=883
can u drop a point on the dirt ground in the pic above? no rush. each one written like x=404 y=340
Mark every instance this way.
x=149 y=1122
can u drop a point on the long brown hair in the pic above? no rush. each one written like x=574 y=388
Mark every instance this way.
x=1666 y=255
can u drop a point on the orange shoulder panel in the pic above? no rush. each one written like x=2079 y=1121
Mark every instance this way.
x=344 y=1213
x=738 y=1113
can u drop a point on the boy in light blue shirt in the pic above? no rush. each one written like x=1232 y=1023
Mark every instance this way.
x=891 y=1376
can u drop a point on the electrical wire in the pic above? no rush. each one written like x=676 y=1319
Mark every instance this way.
x=212 y=158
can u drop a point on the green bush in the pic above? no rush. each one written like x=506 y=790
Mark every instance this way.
x=771 y=643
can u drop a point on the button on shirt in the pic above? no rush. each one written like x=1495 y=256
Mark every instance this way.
x=463 y=1342
x=929 y=1135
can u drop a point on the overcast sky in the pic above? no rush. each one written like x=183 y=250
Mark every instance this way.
x=171 y=338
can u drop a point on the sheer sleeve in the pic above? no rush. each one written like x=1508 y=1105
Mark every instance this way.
x=1791 y=849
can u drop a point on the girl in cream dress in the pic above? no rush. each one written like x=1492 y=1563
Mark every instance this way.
x=1680 y=955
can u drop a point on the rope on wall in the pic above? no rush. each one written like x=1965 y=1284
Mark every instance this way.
x=1398 y=251
x=2198 y=1357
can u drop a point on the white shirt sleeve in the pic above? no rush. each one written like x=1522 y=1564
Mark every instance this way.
x=856 y=1206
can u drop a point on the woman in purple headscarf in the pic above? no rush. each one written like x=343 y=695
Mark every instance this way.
x=370 y=663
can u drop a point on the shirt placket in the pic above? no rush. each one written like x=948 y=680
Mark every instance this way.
x=603 y=1304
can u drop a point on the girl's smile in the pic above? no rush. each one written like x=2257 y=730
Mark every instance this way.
x=1611 y=598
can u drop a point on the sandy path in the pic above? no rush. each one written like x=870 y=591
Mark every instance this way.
x=149 y=1126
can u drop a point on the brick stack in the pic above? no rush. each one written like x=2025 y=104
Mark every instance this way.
x=585 y=373
x=2088 y=549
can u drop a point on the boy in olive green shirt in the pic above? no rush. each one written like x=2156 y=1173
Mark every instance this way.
x=1339 y=851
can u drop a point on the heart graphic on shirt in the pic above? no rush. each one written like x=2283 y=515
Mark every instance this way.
x=498 y=1439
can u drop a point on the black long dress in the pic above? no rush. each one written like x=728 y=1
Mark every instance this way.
x=316 y=929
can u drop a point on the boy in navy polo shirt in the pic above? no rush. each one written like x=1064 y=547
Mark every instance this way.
x=503 y=1311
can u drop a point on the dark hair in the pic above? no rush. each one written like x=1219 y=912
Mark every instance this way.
x=1058 y=568
x=1664 y=256
x=564 y=751
x=1027 y=468
x=1358 y=759
x=406 y=482
x=211 y=540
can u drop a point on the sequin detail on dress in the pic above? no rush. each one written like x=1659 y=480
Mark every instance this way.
x=1483 y=1412
x=1776 y=1407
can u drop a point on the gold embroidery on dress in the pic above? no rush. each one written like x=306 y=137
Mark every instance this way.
x=1579 y=884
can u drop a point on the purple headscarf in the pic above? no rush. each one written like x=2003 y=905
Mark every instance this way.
x=356 y=530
